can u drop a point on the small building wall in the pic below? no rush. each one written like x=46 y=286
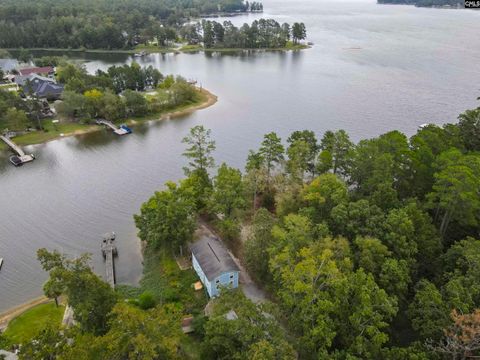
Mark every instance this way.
x=201 y=275
x=228 y=279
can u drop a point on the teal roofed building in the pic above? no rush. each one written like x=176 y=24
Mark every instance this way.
x=214 y=265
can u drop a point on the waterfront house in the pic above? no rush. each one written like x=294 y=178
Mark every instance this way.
x=47 y=71
x=39 y=86
x=214 y=265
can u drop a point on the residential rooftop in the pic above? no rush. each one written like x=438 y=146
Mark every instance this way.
x=213 y=257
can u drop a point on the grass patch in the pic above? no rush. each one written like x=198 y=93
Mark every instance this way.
x=187 y=48
x=52 y=131
x=164 y=279
x=27 y=325
x=154 y=49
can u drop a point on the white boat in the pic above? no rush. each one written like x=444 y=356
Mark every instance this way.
x=1 y=263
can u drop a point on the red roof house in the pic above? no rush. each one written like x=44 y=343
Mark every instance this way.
x=44 y=71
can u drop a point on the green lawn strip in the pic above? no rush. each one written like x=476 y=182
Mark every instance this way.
x=68 y=128
x=25 y=326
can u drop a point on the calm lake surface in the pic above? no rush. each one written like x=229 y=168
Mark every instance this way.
x=373 y=68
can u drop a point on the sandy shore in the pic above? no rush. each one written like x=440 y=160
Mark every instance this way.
x=12 y=313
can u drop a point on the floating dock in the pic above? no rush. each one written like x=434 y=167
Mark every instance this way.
x=21 y=157
x=109 y=251
x=122 y=130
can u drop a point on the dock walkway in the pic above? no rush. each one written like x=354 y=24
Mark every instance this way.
x=109 y=250
x=117 y=130
x=23 y=158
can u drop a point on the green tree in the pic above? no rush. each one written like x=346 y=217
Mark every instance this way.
x=299 y=32
x=428 y=311
x=89 y=296
x=323 y=194
x=310 y=155
x=228 y=192
x=337 y=149
x=256 y=247
x=199 y=150
x=239 y=329
x=135 y=103
x=255 y=177
x=15 y=119
x=469 y=125
x=455 y=191
x=272 y=152
x=298 y=160
x=48 y=344
x=395 y=278
x=371 y=254
x=167 y=219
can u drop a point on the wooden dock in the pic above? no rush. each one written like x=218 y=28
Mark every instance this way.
x=109 y=251
x=117 y=130
x=21 y=157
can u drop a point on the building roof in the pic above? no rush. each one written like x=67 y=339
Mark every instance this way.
x=213 y=257
x=22 y=79
x=41 y=86
x=8 y=64
x=36 y=70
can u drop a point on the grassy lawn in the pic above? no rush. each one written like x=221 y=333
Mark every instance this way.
x=52 y=131
x=24 y=327
x=163 y=278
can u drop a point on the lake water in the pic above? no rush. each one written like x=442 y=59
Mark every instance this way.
x=373 y=68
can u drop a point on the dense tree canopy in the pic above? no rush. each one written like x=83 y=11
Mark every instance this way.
x=102 y=23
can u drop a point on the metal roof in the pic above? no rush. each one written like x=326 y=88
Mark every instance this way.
x=213 y=257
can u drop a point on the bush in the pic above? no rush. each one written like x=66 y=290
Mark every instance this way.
x=229 y=229
x=146 y=300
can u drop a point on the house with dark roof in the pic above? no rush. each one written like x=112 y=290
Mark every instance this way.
x=41 y=87
x=43 y=71
x=214 y=265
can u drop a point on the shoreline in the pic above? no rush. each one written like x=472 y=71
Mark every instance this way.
x=157 y=50
x=209 y=100
x=8 y=315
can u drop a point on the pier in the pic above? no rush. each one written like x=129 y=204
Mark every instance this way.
x=109 y=250
x=21 y=157
x=122 y=130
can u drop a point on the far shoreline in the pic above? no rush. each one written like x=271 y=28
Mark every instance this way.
x=169 y=50
x=208 y=100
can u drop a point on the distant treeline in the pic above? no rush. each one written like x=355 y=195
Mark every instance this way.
x=423 y=3
x=101 y=23
x=263 y=33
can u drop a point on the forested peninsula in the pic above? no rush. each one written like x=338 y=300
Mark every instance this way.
x=121 y=94
x=366 y=251
x=144 y=25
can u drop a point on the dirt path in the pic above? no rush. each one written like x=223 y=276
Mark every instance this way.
x=12 y=313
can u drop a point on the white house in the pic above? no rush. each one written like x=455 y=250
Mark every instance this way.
x=214 y=265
